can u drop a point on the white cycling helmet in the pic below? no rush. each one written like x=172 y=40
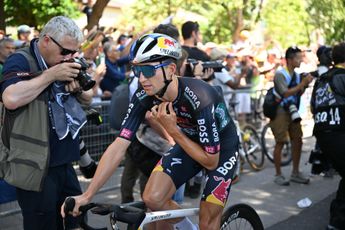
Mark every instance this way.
x=155 y=47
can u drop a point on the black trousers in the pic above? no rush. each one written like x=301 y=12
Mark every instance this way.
x=41 y=210
x=333 y=145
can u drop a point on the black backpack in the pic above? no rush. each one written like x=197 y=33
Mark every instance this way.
x=118 y=106
x=271 y=104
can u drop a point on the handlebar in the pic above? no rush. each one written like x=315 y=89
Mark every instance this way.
x=131 y=213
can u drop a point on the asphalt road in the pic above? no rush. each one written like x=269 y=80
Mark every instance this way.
x=276 y=205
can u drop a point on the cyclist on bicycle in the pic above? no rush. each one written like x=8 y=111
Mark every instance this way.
x=194 y=114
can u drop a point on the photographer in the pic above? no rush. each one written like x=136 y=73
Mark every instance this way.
x=191 y=37
x=289 y=86
x=41 y=122
x=328 y=105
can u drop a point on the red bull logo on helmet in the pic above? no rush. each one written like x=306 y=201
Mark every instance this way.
x=165 y=43
x=219 y=195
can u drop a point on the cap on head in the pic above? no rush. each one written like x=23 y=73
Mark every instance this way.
x=24 y=29
x=155 y=47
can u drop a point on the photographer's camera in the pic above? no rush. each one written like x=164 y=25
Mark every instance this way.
x=84 y=79
x=217 y=66
x=295 y=117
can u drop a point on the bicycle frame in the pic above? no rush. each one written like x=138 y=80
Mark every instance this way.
x=169 y=214
x=136 y=217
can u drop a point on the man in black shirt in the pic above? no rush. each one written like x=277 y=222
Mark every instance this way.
x=191 y=36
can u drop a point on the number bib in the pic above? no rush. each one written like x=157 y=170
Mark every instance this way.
x=330 y=118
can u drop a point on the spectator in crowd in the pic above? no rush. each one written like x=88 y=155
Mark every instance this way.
x=97 y=68
x=113 y=62
x=34 y=79
x=23 y=34
x=122 y=42
x=229 y=77
x=6 y=49
x=191 y=36
x=249 y=72
x=271 y=64
x=328 y=98
x=289 y=86
x=2 y=34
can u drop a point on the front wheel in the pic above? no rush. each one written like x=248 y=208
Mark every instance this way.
x=241 y=216
x=268 y=143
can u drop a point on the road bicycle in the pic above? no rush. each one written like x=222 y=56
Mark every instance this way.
x=250 y=147
x=134 y=214
x=268 y=143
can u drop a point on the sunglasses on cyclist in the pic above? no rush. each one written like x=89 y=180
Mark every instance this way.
x=63 y=51
x=147 y=70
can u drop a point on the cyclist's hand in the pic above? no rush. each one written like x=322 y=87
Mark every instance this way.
x=165 y=115
x=79 y=201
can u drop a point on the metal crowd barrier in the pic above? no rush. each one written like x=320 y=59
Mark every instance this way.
x=96 y=138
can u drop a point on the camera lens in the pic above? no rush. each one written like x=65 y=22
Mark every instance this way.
x=295 y=117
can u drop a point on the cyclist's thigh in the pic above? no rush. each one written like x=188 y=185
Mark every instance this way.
x=178 y=165
x=218 y=184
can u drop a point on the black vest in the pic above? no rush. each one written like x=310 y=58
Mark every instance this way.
x=328 y=104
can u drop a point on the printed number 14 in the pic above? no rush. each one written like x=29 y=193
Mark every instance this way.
x=335 y=118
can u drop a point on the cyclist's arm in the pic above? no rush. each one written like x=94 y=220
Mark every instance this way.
x=108 y=164
x=193 y=149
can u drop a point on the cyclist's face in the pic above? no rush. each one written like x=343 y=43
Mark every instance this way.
x=153 y=82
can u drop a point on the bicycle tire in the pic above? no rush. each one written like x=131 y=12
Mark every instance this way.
x=267 y=141
x=241 y=216
x=252 y=147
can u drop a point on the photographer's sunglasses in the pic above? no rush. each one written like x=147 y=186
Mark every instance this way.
x=147 y=70
x=64 y=51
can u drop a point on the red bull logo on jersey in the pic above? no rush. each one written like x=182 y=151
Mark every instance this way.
x=220 y=193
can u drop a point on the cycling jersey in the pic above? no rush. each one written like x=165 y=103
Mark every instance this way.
x=202 y=115
x=200 y=110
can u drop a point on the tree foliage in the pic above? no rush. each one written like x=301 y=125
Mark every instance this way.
x=37 y=13
x=329 y=16
x=287 y=22
x=222 y=19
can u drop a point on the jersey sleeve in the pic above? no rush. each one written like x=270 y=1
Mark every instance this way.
x=15 y=69
x=207 y=129
x=134 y=117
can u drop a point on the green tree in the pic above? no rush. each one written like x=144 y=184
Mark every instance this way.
x=287 y=22
x=329 y=16
x=36 y=13
x=223 y=19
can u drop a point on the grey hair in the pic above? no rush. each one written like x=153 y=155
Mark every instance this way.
x=61 y=26
x=6 y=40
x=108 y=46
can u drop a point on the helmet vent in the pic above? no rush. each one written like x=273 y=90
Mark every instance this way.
x=150 y=46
